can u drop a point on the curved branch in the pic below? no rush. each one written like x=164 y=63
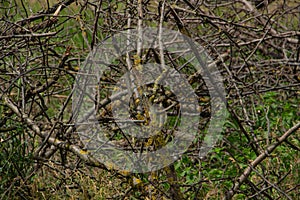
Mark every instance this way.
x=259 y=159
x=84 y=155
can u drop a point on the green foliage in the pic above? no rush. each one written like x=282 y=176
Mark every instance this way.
x=16 y=162
x=271 y=113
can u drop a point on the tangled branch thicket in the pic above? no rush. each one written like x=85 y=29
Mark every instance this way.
x=255 y=45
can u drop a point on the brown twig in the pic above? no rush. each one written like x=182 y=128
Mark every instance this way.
x=259 y=159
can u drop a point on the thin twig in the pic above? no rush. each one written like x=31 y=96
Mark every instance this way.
x=259 y=159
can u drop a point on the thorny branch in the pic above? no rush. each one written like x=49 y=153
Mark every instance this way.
x=255 y=44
